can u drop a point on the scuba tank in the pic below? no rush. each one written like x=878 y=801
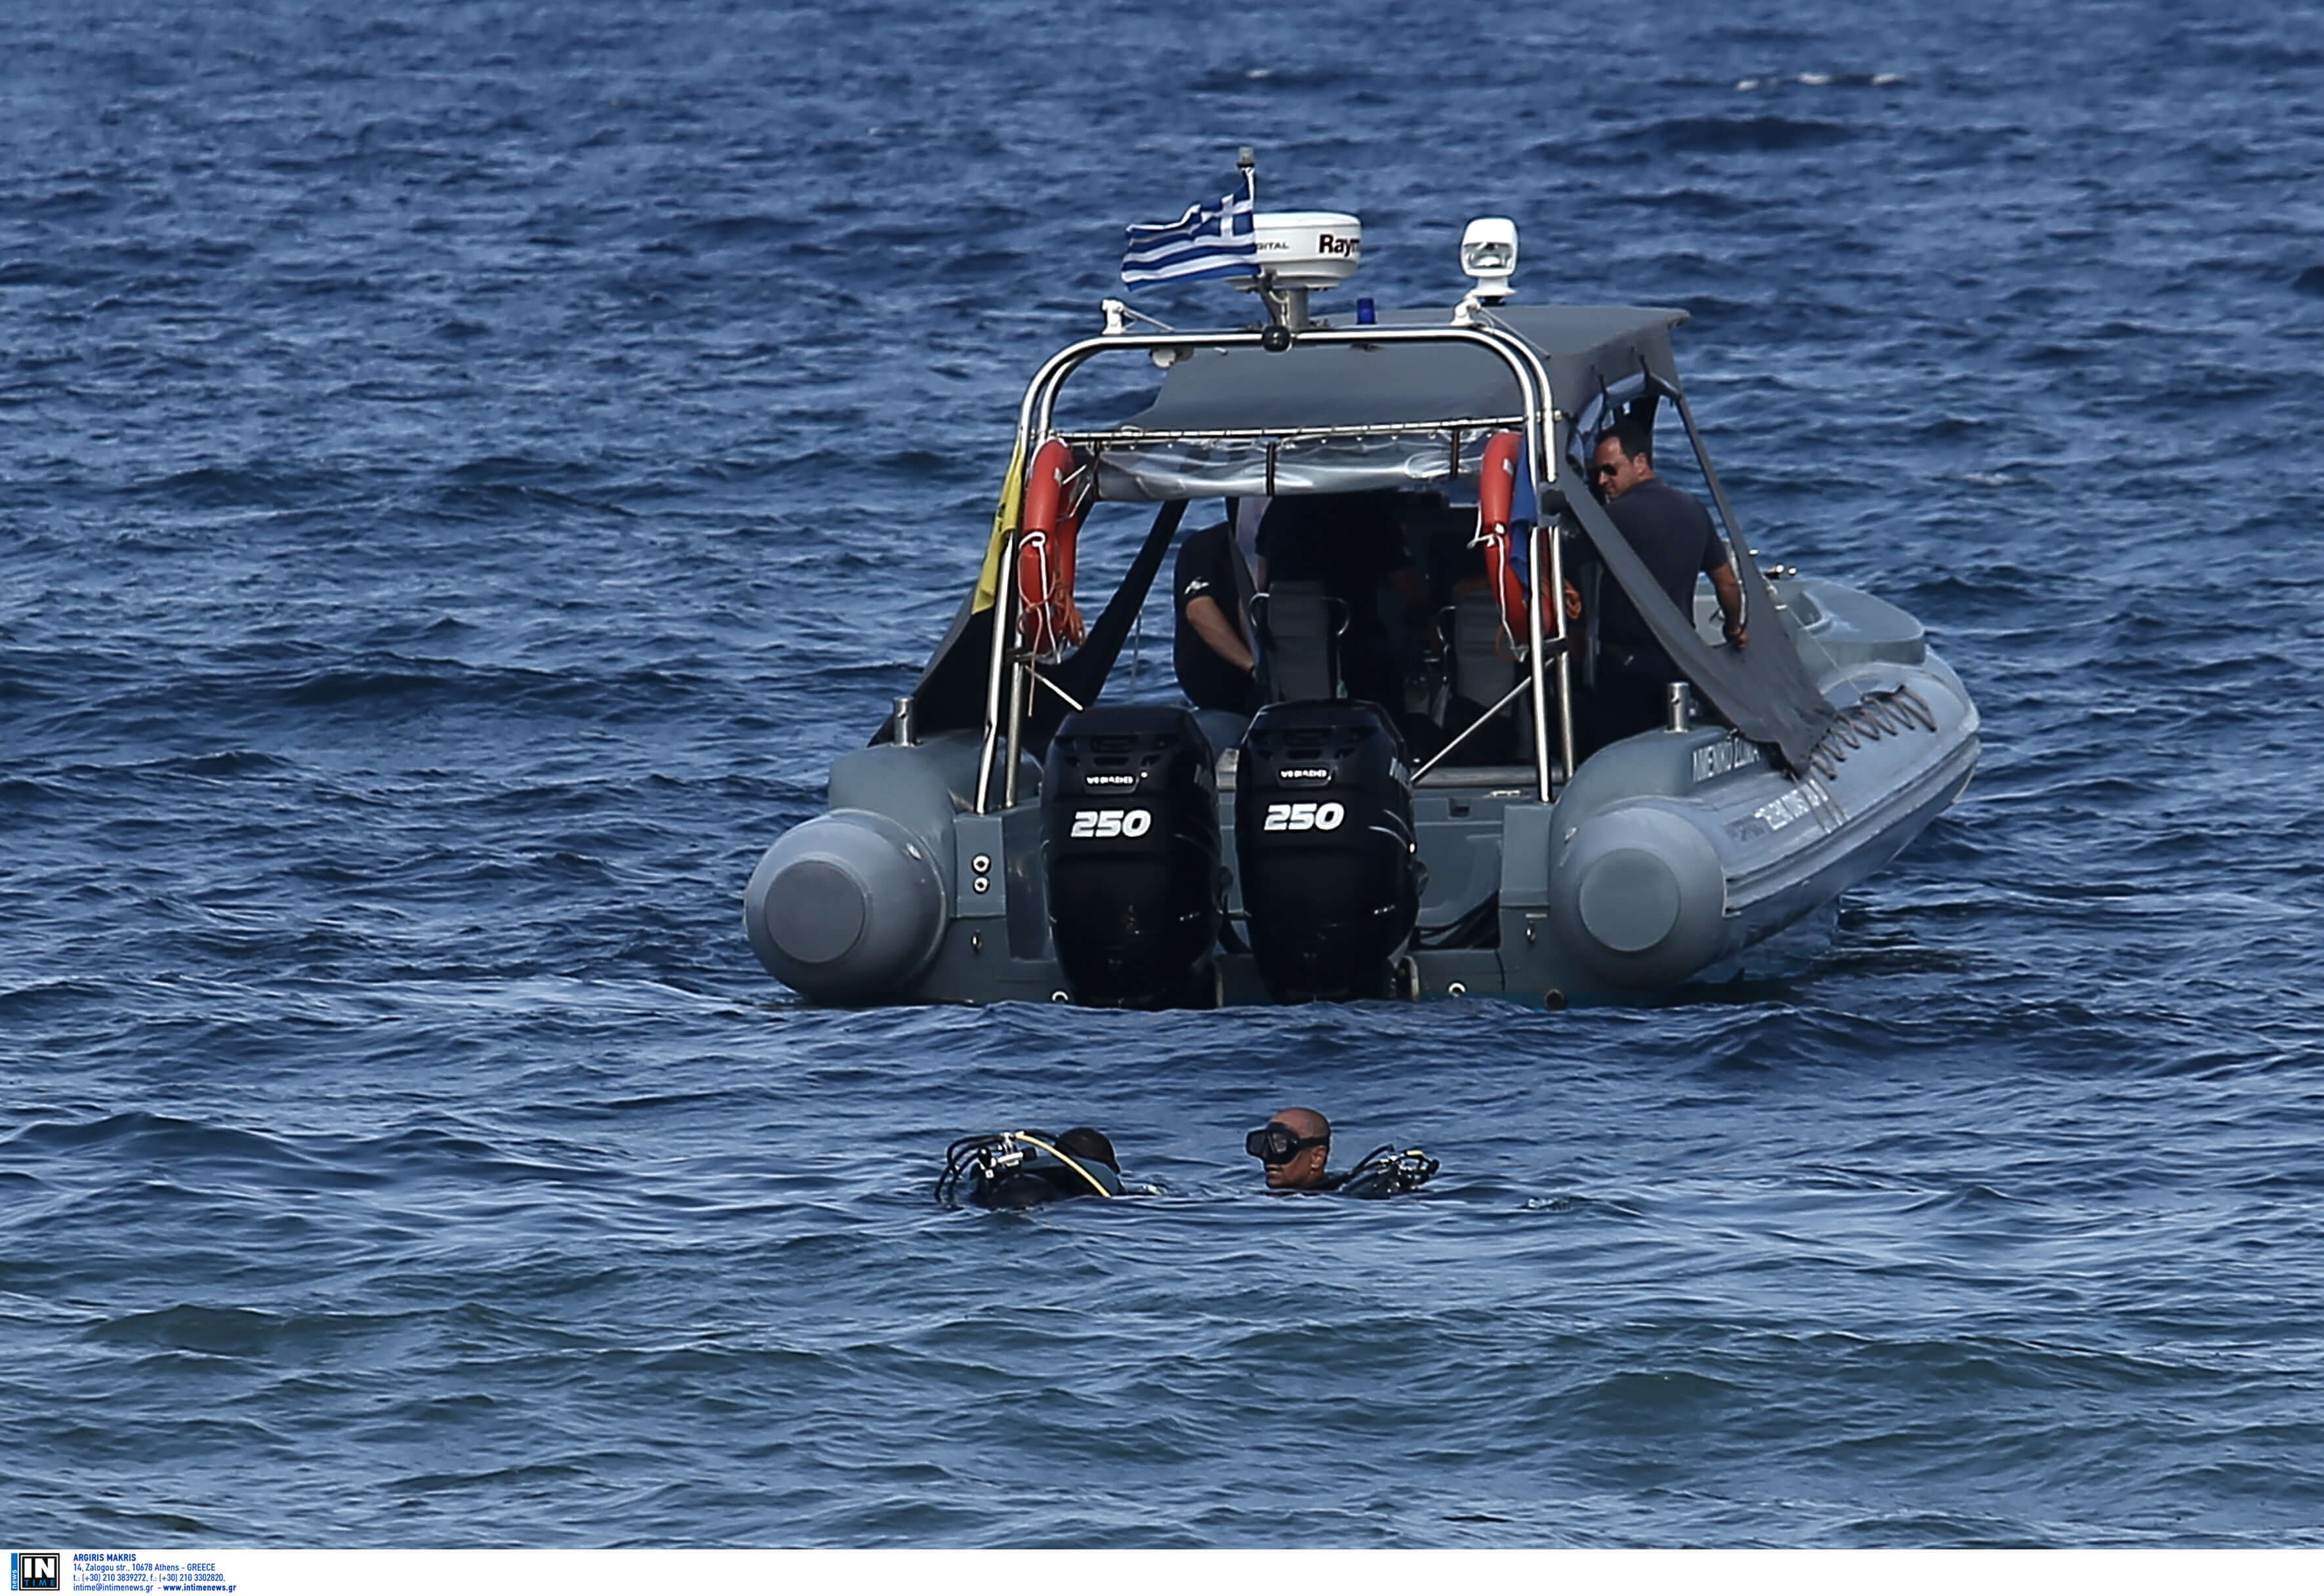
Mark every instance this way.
x=1019 y=1169
x=1385 y=1172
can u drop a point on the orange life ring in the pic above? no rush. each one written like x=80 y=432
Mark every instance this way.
x=1497 y=489
x=1047 y=617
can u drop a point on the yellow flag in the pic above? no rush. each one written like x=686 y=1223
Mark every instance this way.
x=1005 y=516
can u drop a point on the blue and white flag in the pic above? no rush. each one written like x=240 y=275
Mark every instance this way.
x=1208 y=241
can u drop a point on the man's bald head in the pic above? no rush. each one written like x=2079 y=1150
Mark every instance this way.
x=1304 y=1168
x=1302 y=1122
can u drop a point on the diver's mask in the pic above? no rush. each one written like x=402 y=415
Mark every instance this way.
x=1275 y=1143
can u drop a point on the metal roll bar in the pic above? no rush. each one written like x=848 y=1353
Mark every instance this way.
x=1037 y=411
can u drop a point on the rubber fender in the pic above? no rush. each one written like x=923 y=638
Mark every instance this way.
x=1640 y=897
x=844 y=907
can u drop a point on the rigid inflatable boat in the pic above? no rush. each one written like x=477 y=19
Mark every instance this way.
x=1031 y=824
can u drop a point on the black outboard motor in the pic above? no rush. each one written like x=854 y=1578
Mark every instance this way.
x=1130 y=836
x=1324 y=836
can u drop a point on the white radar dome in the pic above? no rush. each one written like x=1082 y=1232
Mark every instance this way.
x=1309 y=248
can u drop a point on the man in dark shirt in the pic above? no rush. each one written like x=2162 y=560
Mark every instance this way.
x=1674 y=536
x=1209 y=650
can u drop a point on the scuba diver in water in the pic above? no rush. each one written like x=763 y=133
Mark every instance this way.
x=1296 y=1148
x=1025 y=1169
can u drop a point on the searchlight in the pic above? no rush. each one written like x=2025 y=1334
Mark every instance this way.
x=1489 y=254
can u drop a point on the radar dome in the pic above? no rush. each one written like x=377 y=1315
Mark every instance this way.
x=1309 y=248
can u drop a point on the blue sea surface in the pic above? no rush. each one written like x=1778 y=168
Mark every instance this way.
x=466 y=468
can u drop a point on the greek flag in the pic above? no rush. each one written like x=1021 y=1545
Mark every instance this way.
x=1208 y=241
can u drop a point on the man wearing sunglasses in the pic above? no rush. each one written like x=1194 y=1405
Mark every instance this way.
x=1294 y=1146
x=1673 y=535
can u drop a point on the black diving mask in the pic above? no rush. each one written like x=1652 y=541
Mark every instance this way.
x=1280 y=1144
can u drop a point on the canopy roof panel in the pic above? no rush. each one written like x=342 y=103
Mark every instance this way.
x=1392 y=408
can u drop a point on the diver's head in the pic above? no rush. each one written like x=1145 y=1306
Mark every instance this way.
x=1295 y=1145
x=1085 y=1144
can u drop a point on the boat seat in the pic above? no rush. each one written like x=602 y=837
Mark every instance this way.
x=1483 y=673
x=1297 y=625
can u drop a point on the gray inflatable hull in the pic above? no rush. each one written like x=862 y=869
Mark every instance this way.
x=1667 y=855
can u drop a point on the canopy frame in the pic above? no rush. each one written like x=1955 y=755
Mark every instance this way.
x=1767 y=693
x=1011 y=663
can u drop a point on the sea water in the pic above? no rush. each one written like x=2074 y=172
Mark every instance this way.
x=466 y=468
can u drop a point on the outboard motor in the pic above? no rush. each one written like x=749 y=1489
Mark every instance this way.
x=1324 y=832
x=1129 y=839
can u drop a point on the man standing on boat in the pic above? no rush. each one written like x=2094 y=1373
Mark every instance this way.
x=1674 y=537
x=1210 y=651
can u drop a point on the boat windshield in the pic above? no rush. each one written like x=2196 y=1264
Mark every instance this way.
x=1347 y=416
x=1193 y=468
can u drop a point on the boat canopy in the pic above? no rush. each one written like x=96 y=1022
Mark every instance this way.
x=1341 y=418
x=1341 y=415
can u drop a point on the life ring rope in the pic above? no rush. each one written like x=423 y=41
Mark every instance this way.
x=1058 y=493
x=1497 y=483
